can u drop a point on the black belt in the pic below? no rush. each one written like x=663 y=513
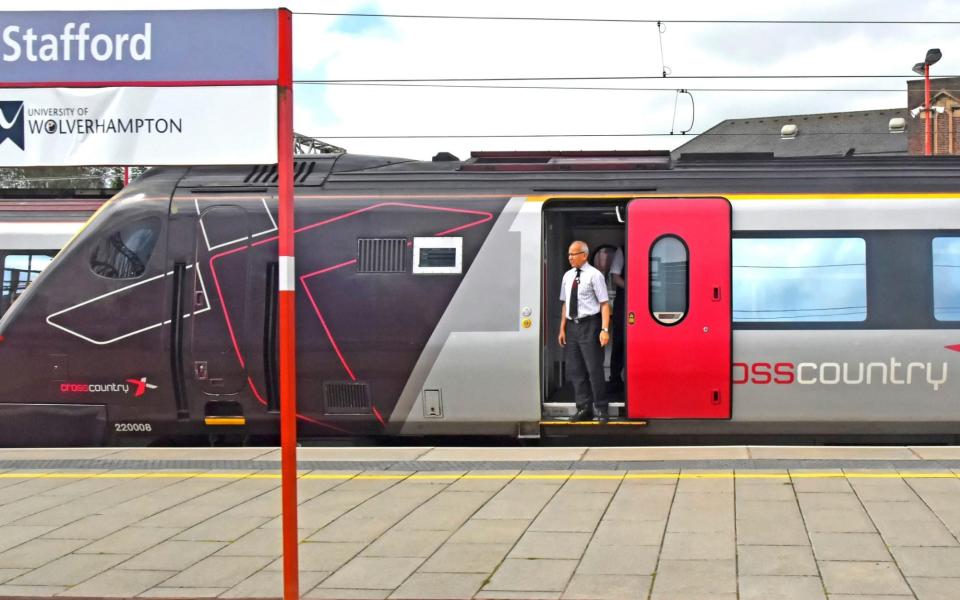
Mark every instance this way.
x=586 y=318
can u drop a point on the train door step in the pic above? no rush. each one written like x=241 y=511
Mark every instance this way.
x=613 y=422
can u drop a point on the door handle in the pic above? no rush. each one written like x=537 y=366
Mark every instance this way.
x=716 y=293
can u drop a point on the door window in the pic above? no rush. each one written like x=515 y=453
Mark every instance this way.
x=668 y=280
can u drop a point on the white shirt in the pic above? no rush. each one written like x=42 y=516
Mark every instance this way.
x=616 y=268
x=591 y=292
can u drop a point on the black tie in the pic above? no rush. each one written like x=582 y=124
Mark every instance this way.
x=574 y=297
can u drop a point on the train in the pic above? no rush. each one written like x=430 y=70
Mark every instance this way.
x=34 y=225
x=764 y=296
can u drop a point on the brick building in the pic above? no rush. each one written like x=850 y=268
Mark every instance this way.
x=945 y=99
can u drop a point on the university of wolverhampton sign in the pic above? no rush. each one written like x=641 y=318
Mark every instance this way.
x=138 y=87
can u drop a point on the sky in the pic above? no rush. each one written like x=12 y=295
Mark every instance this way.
x=328 y=48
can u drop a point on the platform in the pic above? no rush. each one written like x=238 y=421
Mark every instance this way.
x=721 y=522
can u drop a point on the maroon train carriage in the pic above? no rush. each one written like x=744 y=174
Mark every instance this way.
x=764 y=296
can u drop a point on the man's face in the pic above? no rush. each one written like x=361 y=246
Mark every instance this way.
x=577 y=255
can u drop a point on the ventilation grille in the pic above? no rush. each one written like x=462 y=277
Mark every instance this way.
x=381 y=255
x=268 y=173
x=346 y=398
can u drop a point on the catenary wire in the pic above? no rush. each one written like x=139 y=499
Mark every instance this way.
x=584 y=135
x=594 y=88
x=633 y=21
x=606 y=78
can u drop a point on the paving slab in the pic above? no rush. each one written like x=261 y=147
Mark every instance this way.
x=768 y=587
x=321 y=556
x=119 y=583
x=653 y=453
x=204 y=453
x=466 y=558
x=551 y=544
x=523 y=575
x=928 y=562
x=490 y=531
x=937 y=452
x=346 y=594
x=613 y=532
x=848 y=577
x=619 y=560
x=70 y=569
x=182 y=592
x=513 y=595
x=909 y=524
x=368 y=572
x=698 y=546
x=333 y=454
x=40 y=591
x=585 y=586
x=776 y=561
x=439 y=585
x=849 y=546
x=219 y=571
x=14 y=535
x=403 y=543
x=683 y=578
x=37 y=552
x=935 y=588
x=269 y=584
x=833 y=452
x=172 y=555
x=491 y=454
x=131 y=540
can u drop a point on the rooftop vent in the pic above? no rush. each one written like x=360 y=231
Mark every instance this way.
x=789 y=131
x=897 y=125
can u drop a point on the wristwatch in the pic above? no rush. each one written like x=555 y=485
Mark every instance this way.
x=605 y=329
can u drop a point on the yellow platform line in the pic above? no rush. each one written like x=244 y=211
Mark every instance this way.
x=421 y=476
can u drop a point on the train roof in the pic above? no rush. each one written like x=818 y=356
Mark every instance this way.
x=51 y=204
x=599 y=172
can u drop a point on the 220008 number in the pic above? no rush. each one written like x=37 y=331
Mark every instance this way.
x=132 y=427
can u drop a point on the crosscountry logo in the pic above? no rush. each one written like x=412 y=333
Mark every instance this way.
x=11 y=122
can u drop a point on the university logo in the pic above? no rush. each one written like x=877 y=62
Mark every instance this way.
x=11 y=122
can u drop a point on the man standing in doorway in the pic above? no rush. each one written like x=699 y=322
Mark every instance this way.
x=585 y=324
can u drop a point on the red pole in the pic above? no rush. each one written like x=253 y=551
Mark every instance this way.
x=287 y=303
x=927 y=144
x=126 y=176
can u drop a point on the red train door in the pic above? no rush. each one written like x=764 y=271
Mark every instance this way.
x=678 y=334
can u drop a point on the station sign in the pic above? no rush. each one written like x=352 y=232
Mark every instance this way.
x=138 y=87
x=138 y=125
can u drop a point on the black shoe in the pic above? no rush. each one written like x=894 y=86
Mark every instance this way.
x=602 y=416
x=583 y=414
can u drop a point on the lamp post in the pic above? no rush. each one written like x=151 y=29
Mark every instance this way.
x=933 y=55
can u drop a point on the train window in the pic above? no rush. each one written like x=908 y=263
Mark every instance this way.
x=18 y=271
x=439 y=255
x=124 y=253
x=799 y=280
x=946 y=278
x=668 y=280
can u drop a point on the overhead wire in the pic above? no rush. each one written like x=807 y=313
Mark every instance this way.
x=591 y=88
x=612 y=20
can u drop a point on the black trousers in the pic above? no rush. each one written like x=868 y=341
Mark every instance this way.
x=618 y=327
x=584 y=359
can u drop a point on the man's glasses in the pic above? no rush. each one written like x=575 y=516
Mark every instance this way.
x=575 y=253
